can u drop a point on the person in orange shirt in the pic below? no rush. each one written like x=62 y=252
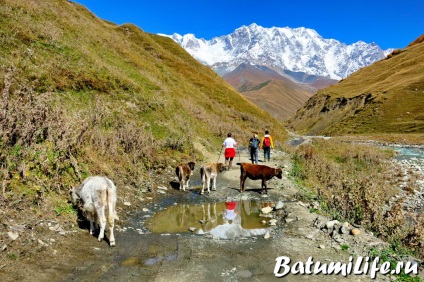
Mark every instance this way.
x=267 y=144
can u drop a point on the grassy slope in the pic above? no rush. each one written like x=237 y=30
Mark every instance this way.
x=83 y=96
x=274 y=93
x=279 y=98
x=395 y=90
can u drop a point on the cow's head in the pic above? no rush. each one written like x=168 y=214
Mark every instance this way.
x=220 y=167
x=75 y=199
x=279 y=173
x=191 y=165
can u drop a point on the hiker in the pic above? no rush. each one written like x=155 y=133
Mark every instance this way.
x=267 y=144
x=230 y=211
x=229 y=144
x=254 y=148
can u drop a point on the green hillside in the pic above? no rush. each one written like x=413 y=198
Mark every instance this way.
x=83 y=96
x=385 y=97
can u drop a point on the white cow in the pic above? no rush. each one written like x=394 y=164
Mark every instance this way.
x=97 y=197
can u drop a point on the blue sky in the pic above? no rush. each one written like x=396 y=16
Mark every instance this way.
x=390 y=24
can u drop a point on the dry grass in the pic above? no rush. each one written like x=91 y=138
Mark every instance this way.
x=357 y=183
x=81 y=96
x=96 y=91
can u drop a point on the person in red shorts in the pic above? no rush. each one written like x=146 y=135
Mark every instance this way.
x=230 y=210
x=230 y=152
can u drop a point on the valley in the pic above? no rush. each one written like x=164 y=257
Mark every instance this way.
x=82 y=96
x=184 y=255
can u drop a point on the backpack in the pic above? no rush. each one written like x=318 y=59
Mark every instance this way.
x=267 y=142
x=254 y=144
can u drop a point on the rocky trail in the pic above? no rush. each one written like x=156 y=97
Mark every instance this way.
x=140 y=255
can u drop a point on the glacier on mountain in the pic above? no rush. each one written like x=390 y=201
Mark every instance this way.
x=294 y=49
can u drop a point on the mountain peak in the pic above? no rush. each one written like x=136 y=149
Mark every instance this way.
x=298 y=49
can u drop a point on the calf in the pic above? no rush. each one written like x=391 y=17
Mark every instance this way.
x=184 y=171
x=97 y=196
x=209 y=172
x=256 y=172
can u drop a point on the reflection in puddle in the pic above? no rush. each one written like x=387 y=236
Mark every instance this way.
x=227 y=220
x=152 y=261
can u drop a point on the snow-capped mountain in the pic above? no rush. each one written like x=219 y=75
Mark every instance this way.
x=294 y=49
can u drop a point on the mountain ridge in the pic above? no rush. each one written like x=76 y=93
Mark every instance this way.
x=385 y=97
x=294 y=49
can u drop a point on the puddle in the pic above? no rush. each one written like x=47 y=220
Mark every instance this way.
x=224 y=220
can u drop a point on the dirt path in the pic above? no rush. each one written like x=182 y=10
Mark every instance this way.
x=143 y=256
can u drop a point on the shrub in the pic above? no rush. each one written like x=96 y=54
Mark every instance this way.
x=356 y=183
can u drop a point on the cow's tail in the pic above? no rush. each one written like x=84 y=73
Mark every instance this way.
x=202 y=173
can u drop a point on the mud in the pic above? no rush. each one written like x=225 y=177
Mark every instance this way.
x=141 y=255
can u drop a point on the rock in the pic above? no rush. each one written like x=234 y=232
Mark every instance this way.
x=127 y=204
x=322 y=246
x=279 y=205
x=338 y=239
x=244 y=274
x=13 y=235
x=161 y=192
x=273 y=222
x=288 y=220
x=267 y=236
x=54 y=228
x=318 y=223
x=162 y=188
x=301 y=204
x=192 y=229
x=355 y=231
x=41 y=242
x=200 y=232
x=344 y=230
x=266 y=210
x=330 y=224
x=315 y=205
x=334 y=233
x=310 y=237
x=145 y=210
x=266 y=215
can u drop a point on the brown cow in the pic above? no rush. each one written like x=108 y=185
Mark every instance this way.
x=209 y=172
x=256 y=172
x=184 y=171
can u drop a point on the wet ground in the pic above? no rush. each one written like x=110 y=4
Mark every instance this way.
x=179 y=238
